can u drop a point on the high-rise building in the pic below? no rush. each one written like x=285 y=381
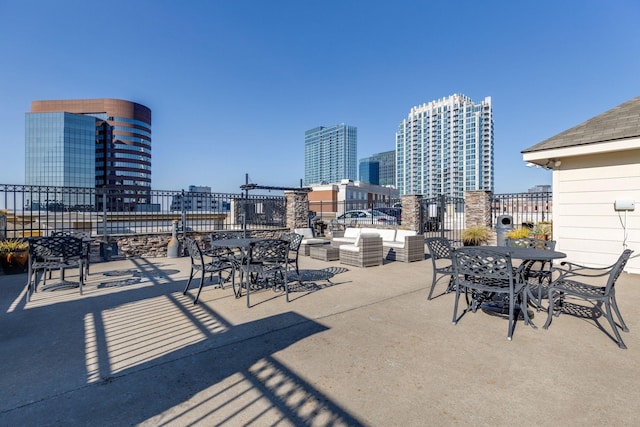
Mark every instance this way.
x=379 y=169
x=446 y=147
x=330 y=154
x=101 y=143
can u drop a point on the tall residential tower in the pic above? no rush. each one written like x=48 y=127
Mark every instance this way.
x=101 y=143
x=446 y=147
x=379 y=169
x=330 y=154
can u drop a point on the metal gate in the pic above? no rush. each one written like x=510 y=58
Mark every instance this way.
x=443 y=216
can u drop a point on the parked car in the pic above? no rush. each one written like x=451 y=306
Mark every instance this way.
x=394 y=212
x=365 y=216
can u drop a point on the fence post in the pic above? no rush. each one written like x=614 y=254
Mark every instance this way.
x=477 y=208
x=412 y=212
x=297 y=211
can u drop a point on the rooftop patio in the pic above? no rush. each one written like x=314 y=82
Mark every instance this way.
x=355 y=346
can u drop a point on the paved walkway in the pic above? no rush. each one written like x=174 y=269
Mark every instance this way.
x=353 y=347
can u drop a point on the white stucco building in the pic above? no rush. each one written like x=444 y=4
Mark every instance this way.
x=594 y=165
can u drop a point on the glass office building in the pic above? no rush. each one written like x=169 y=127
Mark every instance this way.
x=379 y=169
x=330 y=154
x=101 y=143
x=446 y=147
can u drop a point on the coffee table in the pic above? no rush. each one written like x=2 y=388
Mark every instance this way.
x=324 y=252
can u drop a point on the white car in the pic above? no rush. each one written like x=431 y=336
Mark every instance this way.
x=366 y=216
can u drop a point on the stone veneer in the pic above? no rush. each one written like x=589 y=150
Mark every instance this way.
x=477 y=212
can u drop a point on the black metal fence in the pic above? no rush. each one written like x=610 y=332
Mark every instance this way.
x=524 y=208
x=443 y=216
x=39 y=210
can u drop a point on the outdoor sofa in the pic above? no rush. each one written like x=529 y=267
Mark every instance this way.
x=398 y=245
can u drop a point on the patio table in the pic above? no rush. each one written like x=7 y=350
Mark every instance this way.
x=499 y=307
x=242 y=244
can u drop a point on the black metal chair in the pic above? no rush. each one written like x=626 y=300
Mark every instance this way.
x=487 y=273
x=536 y=273
x=214 y=265
x=570 y=284
x=54 y=253
x=295 y=240
x=86 y=240
x=224 y=254
x=264 y=265
x=441 y=258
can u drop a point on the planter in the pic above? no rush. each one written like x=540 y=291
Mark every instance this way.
x=14 y=262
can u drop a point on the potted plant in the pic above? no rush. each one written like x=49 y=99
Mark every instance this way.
x=14 y=255
x=541 y=231
x=475 y=236
x=519 y=233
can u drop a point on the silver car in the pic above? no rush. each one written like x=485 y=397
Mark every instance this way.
x=366 y=216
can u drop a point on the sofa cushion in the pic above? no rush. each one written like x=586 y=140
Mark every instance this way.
x=387 y=234
x=350 y=248
x=307 y=233
x=400 y=234
x=351 y=233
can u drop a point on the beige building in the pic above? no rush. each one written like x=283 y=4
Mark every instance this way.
x=596 y=185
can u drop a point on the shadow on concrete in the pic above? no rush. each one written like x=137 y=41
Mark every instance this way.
x=149 y=355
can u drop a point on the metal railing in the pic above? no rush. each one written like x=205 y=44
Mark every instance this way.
x=40 y=210
x=525 y=208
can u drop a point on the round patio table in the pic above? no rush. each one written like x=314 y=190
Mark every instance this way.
x=499 y=306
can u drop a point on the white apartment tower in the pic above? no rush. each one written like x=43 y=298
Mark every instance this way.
x=445 y=147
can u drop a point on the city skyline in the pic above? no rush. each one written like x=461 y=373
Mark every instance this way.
x=234 y=85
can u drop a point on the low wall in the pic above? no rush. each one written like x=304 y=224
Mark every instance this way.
x=155 y=245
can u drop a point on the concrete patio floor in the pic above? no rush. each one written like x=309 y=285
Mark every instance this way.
x=353 y=347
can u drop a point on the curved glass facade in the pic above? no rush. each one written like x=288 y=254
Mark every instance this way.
x=104 y=143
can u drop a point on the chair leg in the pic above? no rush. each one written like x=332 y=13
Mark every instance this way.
x=189 y=282
x=614 y=304
x=551 y=307
x=433 y=285
x=511 y=321
x=609 y=315
x=195 y=300
x=455 y=307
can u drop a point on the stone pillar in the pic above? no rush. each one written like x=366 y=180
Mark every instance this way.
x=411 y=212
x=477 y=208
x=297 y=208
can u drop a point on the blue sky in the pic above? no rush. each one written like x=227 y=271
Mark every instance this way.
x=233 y=85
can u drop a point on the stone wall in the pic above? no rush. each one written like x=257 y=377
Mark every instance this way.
x=155 y=245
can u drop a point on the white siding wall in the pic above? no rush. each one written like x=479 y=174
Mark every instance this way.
x=586 y=226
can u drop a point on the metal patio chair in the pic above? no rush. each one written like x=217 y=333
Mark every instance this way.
x=570 y=283
x=442 y=260
x=295 y=240
x=487 y=273
x=536 y=273
x=213 y=265
x=54 y=253
x=86 y=240
x=264 y=265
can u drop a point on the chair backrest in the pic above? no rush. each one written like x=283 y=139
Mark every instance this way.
x=530 y=242
x=269 y=250
x=194 y=251
x=439 y=247
x=617 y=269
x=65 y=247
x=294 y=239
x=477 y=263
